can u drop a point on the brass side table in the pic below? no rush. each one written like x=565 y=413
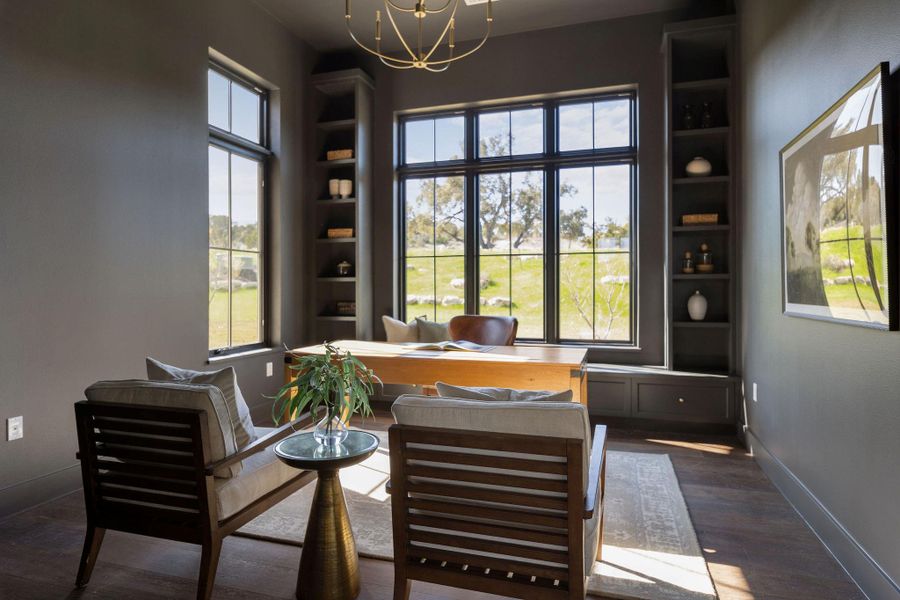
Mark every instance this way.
x=329 y=565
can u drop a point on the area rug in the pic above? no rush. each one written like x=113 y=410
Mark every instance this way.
x=650 y=549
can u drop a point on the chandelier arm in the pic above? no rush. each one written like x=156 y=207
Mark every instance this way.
x=444 y=32
x=399 y=61
x=441 y=70
x=397 y=66
x=434 y=11
x=400 y=8
x=465 y=54
x=387 y=7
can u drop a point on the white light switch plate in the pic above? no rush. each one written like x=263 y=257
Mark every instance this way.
x=269 y=369
x=14 y=429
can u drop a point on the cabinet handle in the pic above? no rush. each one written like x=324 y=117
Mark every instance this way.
x=681 y=400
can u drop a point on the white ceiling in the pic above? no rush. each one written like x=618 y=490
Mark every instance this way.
x=321 y=22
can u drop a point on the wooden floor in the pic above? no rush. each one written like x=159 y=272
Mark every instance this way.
x=755 y=544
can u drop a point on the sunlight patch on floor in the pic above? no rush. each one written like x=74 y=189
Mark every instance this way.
x=369 y=477
x=685 y=572
x=701 y=446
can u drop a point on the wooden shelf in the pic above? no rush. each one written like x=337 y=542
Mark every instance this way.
x=350 y=240
x=336 y=125
x=699 y=228
x=338 y=318
x=703 y=84
x=702 y=324
x=700 y=180
x=700 y=276
x=344 y=201
x=708 y=131
x=341 y=162
x=336 y=279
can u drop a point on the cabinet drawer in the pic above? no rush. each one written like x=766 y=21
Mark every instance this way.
x=696 y=403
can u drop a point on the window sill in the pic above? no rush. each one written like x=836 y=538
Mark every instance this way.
x=256 y=352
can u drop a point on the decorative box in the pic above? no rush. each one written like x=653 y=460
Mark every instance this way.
x=340 y=232
x=700 y=219
x=346 y=308
x=339 y=154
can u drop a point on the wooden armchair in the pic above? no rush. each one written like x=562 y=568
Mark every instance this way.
x=485 y=330
x=497 y=497
x=150 y=464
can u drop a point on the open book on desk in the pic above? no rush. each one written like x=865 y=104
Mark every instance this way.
x=459 y=345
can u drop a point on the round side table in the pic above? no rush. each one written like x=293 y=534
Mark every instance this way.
x=329 y=565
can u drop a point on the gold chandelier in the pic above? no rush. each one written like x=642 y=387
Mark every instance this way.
x=424 y=56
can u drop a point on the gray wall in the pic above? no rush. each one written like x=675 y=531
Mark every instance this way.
x=594 y=55
x=103 y=205
x=827 y=419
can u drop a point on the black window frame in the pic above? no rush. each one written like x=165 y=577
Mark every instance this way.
x=234 y=144
x=550 y=162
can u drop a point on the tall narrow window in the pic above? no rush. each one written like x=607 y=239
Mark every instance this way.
x=237 y=155
x=545 y=191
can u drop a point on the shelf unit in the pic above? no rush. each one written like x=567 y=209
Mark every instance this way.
x=700 y=67
x=343 y=109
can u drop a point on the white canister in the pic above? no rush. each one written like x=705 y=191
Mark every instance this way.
x=699 y=167
x=334 y=187
x=697 y=306
x=346 y=188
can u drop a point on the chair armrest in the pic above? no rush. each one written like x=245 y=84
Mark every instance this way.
x=262 y=443
x=595 y=471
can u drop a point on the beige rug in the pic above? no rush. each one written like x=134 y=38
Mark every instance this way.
x=650 y=550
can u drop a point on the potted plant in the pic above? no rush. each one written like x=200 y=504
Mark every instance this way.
x=335 y=383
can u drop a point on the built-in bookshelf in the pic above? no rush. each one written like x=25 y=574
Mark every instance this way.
x=343 y=109
x=700 y=73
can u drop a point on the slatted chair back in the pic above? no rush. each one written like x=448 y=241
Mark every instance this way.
x=500 y=513
x=143 y=469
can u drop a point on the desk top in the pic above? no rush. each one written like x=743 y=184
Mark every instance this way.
x=532 y=355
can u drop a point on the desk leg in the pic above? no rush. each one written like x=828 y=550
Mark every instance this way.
x=578 y=383
x=329 y=565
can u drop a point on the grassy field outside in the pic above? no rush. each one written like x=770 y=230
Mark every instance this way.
x=244 y=318
x=845 y=272
x=595 y=291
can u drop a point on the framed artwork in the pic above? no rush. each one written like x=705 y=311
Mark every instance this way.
x=839 y=211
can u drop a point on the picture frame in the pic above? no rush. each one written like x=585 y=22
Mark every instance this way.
x=839 y=211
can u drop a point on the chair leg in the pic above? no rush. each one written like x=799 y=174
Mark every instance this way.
x=209 y=561
x=600 y=540
x=401 y=588
x=93 y=537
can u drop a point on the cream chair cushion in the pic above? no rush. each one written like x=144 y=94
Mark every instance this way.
x=224 y=379
x=504 y=394
x=262 y=472
x=207 y=398
x=552 y=419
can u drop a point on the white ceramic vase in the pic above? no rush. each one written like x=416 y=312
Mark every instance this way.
x=334 y=187
x=346 y=188
x=697 y=306
x=699 y=167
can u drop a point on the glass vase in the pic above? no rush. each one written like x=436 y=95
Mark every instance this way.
x=331 y=431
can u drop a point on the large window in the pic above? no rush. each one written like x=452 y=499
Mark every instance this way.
x=237 y=168
x=523 y=210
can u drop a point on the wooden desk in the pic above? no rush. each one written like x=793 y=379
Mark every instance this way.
x=519 y=367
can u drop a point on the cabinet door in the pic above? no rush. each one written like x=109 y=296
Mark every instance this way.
x=685 y=402
x=609 y=397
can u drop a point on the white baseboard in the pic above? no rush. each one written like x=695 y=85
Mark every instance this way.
x=874 y=582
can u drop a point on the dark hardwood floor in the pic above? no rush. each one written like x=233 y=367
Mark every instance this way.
x=755 y=544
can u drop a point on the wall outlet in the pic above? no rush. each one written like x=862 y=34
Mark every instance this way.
x=14 y=429
x=269 y=369
x=754 y=392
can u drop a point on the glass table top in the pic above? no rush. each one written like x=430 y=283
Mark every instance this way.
x=306 y=448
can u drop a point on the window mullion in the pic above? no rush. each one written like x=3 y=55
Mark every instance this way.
x=472 y=269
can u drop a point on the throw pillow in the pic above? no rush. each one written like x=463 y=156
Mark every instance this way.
x=430 y=331
x=445 y=390
x=399 y=332
x=224 y=379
